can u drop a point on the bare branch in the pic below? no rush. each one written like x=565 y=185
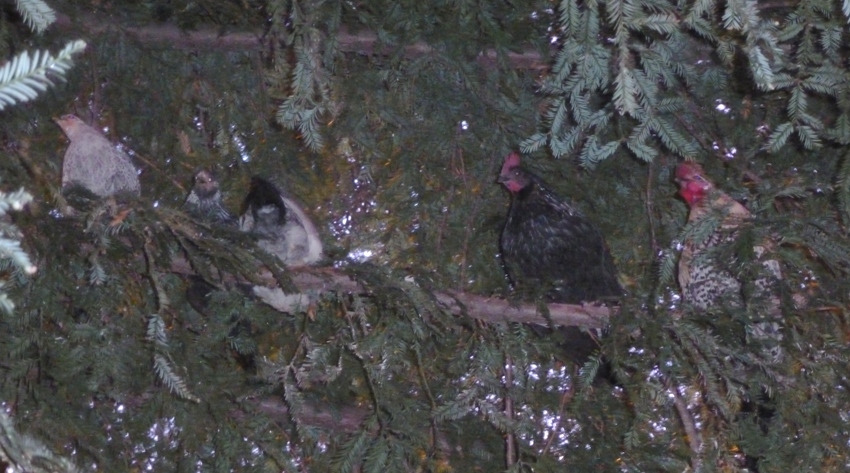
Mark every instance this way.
x=489 y=309
x=361 y=42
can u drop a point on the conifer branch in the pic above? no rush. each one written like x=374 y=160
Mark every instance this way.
x=175 y=383
x=360 y=42
x=156 y=332
x=21 y=453
x=23 y=78
x=36 y=14
x=11 y=253
x=843 y=191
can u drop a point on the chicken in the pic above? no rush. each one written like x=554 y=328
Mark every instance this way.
x=94 y=163
x=704 y=281
x=549 y=245
x=281 y=225
x=204 y=201
x=707 y=282
x=550 y=248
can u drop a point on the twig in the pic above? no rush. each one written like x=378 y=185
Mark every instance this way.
x=445 y=220
x=466 y=237
x=652 y=242
x=427 y=388
x=691 y=431
x=157 y=169
x=510 y=446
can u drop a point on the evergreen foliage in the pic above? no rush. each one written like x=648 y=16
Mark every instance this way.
x=22 y=453
x=390 y=120
x=36 y=14
x=23 y=78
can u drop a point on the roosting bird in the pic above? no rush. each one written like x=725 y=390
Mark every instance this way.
x=548 y=244
x=707 y=282
x=281 y=225
x=204 y=200
x=93 y=162
x=550 y=248
x=704 y=280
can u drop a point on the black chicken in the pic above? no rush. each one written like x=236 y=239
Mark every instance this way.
x=549 y=246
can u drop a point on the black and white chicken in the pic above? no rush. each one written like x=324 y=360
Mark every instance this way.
x=280 y=224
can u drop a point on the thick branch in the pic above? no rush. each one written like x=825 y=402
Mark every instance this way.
x=489 y=309
x=500 y=310
x=479 y=307
x=361 y=42
x=345 y=419
x=691 y=430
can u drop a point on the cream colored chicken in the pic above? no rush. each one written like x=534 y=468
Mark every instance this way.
x=93 y=162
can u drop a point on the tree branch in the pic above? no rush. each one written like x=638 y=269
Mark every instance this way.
x=489 y=309
x=692 y=432
x=361 y=42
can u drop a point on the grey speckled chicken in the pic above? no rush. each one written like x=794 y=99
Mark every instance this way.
x=93 y=162
x=281 y=225
x=204 y=201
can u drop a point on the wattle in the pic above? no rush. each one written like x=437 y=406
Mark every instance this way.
x=513 y=186
x=692 y=193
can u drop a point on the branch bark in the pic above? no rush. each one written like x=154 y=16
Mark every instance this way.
x=489 y=309
x=361 y=42
x=692 y=432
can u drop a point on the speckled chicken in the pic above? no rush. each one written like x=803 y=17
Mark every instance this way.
x=94 y=163
x=706 y=282
x=549 y=245
x=703 y=280
x=204 y=201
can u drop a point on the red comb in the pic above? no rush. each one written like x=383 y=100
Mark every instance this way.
x=511 y=161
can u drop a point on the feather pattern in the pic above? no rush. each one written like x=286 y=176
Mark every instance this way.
x=93 y=162
x=703 y=280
